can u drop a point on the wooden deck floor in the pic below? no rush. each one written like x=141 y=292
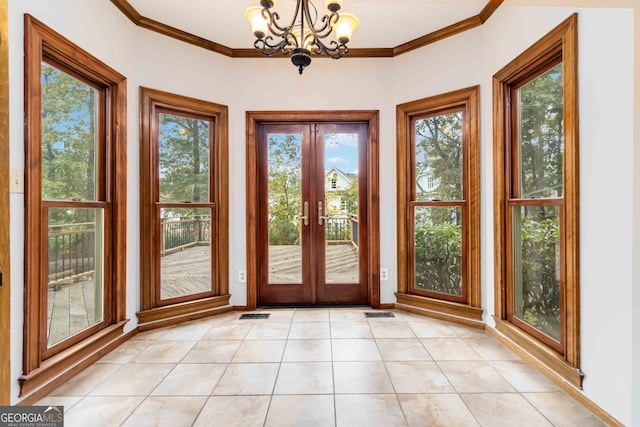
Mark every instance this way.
x=71 y=307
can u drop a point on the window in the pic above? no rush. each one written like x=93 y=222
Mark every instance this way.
x=184 y=206
x=438 y=203
x=75 y=204
x=536 y=202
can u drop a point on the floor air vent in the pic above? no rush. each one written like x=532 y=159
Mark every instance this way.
x=375 y=314
x=255 y=316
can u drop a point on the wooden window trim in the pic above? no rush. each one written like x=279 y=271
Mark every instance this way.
x=561 y=39
x=466 y=99
x=5 y=289
x=152 y=308
x=41 y=364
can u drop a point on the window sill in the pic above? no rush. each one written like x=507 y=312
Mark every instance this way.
x=444 y=310
x=530 y=348
x=72 y=360
x=177 y=313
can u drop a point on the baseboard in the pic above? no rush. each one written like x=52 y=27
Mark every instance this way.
x=74 y=370
x=183 y=318
x=241 y=308
x=386 y=306
x=567 y=387
x=440 y=316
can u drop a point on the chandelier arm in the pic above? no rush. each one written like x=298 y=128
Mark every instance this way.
x=282 y=31
x=272 y=23
x=326 y=29
x=334 y=50
x=268 y=49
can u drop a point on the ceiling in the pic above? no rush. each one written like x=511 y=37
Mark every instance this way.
x=383 y=23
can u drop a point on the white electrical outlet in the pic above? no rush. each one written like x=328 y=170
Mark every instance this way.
x=384 y=274
x=242 y=276
x=16 y=181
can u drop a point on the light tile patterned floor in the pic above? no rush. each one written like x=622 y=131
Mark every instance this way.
x=315 y=367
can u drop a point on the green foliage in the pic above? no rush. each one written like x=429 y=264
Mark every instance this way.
x=184 y=159
x=439 y=155
x=540 y=280
x=284 y=189
x=438 y=257
x=438 y=232
x=68 y=142
x=541 y=135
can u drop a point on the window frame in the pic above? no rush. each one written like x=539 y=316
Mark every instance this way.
x=153 y=309
x=466 y=308
x=558 y=46
x=40 y=362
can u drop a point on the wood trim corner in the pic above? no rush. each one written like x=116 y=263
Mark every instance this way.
x=376 y=52
x=5 y=286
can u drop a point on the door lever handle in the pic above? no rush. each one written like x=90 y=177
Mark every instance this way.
x=320 y=216
x=305 y=217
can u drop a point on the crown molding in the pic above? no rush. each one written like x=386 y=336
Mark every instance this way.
x=466 y=24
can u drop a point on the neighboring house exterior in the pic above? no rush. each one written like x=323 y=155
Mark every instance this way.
x=336 y=181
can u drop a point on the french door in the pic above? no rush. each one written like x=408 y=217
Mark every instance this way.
x=312 y=225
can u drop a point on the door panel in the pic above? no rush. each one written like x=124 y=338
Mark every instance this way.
x=341 y=236
x=309 y=212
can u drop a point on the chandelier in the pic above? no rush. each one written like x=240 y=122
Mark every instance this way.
x=304 y=34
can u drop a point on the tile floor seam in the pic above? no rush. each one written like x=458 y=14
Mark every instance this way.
x=491 y=353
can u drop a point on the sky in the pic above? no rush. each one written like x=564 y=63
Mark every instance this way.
x=341 y=152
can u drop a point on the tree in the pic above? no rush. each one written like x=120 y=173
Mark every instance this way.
x=438 y=230
x=285 y=180
x=184 y=160
x=68 y=142
x=537 y=229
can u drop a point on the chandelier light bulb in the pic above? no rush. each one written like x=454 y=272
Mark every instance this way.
x=345 y=27
x=259 y=25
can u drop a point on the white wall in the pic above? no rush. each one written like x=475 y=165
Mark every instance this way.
x=98 y=27
x=635 y=361
x=471 y=58
x=606 y=162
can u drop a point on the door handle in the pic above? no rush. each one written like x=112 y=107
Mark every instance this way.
x=305 y=217
x=320 y=216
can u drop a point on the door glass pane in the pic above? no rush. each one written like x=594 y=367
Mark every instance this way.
x=341 y=207
x=438 y=249
x=536 y=254
x=69 y=137
x=541 y=136
x=183 y=159
x=439 y=145
x=75 y=265
x=185 y=252
x=285 y=207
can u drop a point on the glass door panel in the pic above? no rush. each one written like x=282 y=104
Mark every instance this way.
x=309 y=214
x=340 y=216
x=285 y=208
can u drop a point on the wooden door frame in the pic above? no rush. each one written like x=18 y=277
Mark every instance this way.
x=5 y=327
x=371 y=118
